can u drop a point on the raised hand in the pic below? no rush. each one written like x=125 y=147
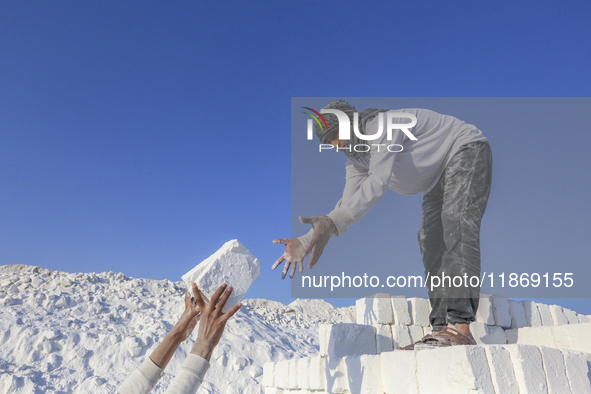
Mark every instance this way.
x=213 y=321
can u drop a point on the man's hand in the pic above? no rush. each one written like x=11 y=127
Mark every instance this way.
x=324 y=228
x=293 y=255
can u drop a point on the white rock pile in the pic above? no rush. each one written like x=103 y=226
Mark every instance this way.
x=85 y=332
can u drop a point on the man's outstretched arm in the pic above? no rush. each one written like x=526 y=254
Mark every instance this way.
x=296 y=249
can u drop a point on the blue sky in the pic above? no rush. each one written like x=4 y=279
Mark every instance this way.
x=140 y=136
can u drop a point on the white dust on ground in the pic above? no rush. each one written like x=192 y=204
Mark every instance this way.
x=85 y=332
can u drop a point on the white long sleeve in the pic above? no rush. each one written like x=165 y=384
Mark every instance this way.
x=365 y=185
x=190 y=375
x=417 y=168
x=188 y=379
x=142 y=380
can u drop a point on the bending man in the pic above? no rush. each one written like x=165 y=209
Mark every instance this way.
x=450 y=162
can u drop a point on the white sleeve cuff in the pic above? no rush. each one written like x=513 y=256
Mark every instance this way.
x=142 y=380
x=196 y=365
x=342 y=218
x=306 y=238
x=190 y=375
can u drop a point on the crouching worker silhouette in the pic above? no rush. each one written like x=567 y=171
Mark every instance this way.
x=191 y=373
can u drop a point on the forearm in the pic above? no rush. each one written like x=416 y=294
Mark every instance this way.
x=166 y=349
x=203 y=349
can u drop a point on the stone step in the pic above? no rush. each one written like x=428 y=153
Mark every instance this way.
x=493 y=310
x=514 y=368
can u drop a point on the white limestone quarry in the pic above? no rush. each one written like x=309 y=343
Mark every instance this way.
x=85 y=332
x=80 y=333
x=232 y=264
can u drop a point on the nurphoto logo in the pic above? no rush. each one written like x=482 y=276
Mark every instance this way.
x=392 y=119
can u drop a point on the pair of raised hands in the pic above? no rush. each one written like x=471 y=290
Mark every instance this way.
x=213 y=321
x=295 y=252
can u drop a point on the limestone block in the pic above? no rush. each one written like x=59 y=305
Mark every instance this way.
x=51 y=334
x=501 y=311
x=293 y=374
x=232 y=264
x=496 y=336
x=416 y=333
x=454 y=369
x=573 y=336
x=400 y=336
x=532 y=314
x=384 y=341
x=501 y=370
x=517 y=311
x=304 y=373
x=273 y=390
x=555 y=369
x=540 y=336
x=323 y=336
x=48 y=347
x=479 y=331
x=337 y=380
x=269 y=374
x=400 y=311
x=571 y=316
x=81 y=352
x=558 y=315
x=529 y=369
x=546 y=315
x=578 y=371
x=365 y=374
x=374 y=310
x=484 y=314
x=419 y=311
x=36 y=282
x=343 y=339
x=318 y=373
x=427 y=331
x=583 y=318
x=399 y=372
x=282 y=374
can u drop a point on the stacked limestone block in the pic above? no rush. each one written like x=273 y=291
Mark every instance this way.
x=500 y=369
x=398 y=321
x=362 y=357
x=407 y=320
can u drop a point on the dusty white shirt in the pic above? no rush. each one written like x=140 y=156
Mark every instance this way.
x=417 y=168
x=188 y=379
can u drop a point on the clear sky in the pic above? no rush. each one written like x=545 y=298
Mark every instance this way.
x=138 y=137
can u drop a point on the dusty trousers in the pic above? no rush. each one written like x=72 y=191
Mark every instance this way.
x=449 y=237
